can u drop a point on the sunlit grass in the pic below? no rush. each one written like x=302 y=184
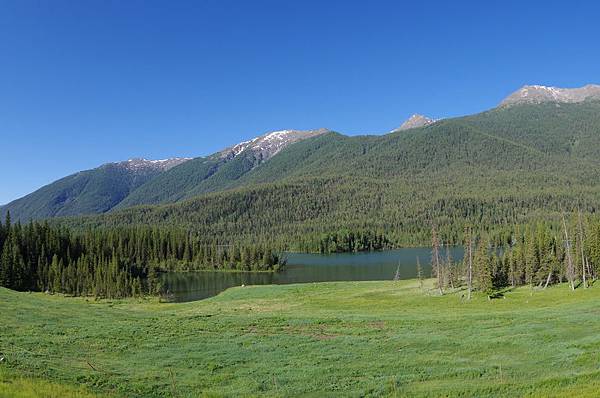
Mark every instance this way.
x=344 y=338
x=12 y=385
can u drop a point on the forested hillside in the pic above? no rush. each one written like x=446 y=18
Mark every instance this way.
x=117 y=262
x=502 y=167
x=140 y=181
x=195 y=177
x=88 y=192
x=217 y=172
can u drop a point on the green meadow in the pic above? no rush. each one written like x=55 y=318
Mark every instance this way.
x=325 y=339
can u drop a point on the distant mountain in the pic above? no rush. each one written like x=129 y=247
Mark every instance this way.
x=141 y=181
x=415 y=121
x=504 y=166
x=88 y=192
x=540 y=94
x=219 y=171
x=527 y=157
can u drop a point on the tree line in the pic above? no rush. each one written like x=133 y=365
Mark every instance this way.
x=125 y=261
x=114 y=262
x=535 y=255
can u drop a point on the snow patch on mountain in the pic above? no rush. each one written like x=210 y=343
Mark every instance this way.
x=537 y=94
x=415 y=121
x=145 y=164
x=270 y=144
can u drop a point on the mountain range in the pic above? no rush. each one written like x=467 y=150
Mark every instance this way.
x=538 y=150
x=141 y=181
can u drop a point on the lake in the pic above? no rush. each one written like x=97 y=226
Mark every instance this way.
x=306 y=268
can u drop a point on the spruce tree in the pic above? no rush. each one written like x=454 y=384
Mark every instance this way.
x=483 y=267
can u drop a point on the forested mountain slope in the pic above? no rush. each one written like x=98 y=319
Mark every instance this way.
x=503 y=166
x=141 y=181
x=88 y=192
x=216 y=172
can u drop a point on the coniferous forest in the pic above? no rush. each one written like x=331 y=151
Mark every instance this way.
x=535 y=255
x=113 y=263
x=125 y=261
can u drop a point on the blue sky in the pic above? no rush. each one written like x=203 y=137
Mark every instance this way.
x=87 y=82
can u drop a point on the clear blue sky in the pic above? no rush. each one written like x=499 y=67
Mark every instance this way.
x=87 y=82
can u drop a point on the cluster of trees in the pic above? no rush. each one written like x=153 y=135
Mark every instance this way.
x=534 y=255
x=112 y=263
x=347 y=242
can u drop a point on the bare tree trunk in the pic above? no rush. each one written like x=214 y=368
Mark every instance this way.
x=419 y=273
x=570 y=269
x=548 y=279
x=397 y=275
x=470 y=269
x=589 y=269
x=449 y=266
x=580 y=226
x=435 y=243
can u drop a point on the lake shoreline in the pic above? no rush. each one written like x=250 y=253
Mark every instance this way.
x=308 y=268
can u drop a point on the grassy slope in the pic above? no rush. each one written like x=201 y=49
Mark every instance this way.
x=355 y=339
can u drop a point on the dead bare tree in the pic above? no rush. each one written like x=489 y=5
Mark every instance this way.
x=435 y=259
x=420 y=273
x=580 y=228
x=548 y=279
x=449 y=266
x=589 y=269
x=570 y=271
x=469 y=244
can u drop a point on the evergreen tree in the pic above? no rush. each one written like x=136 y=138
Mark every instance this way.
x=483 y=267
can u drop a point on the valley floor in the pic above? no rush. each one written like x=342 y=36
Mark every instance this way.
x=337 y=339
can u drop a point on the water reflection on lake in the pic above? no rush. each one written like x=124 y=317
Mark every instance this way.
x=303 y=268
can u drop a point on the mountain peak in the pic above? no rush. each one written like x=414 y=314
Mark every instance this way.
x=537 y=94
x=415 y=121
x=271 y=143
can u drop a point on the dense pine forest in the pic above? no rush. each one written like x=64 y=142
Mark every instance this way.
x=536 y=255
x=111 y=263
x=124 y=261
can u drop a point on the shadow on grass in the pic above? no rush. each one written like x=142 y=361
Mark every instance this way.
x=499 y=294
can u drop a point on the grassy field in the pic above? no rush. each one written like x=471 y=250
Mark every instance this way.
x=329 y=339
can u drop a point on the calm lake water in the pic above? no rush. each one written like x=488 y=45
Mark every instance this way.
x=305 y=268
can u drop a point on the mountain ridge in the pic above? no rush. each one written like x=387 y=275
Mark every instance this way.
x=284 y=154
x=112 y=183
x=536 y=94
x=415 y=121
x=499 y=167
x=89 y=191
